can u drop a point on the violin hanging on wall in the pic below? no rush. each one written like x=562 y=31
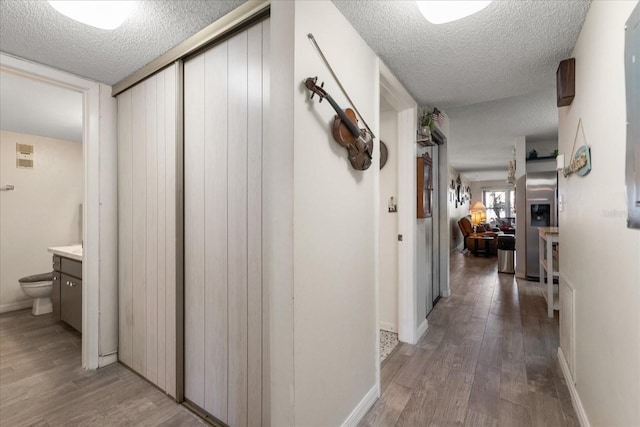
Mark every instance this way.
x=358 y=142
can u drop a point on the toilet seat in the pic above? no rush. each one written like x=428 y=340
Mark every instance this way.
x=35 y=284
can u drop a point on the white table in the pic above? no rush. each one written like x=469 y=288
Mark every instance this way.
x=548 y=236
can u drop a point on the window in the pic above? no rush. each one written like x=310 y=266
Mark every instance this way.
x=500 y=204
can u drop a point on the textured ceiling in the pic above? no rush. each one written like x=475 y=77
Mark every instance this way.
x=484 y=134
x=510 y=48
x=35 y=31
x=492 y=72
x=37 y=108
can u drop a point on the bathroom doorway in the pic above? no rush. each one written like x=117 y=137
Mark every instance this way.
x=89 y=219
x=41 y=198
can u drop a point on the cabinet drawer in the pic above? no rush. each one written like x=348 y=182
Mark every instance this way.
x=71 y=267
x=55 y=295
x=71 y=301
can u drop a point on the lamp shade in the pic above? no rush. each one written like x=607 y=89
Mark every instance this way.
x=477 y=211
x=477 y=206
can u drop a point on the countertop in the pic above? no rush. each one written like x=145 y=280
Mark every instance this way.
x=548 y=230
x=73 y=251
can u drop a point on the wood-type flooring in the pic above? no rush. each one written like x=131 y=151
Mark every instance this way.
x=489 y=358
x=42 y=382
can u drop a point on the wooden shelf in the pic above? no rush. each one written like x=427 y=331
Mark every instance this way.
x=542 y=158
x=554 y=273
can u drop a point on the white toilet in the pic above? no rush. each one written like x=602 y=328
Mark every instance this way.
x=39 y=288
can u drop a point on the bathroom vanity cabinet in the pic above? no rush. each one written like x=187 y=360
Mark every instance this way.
x=67 y=291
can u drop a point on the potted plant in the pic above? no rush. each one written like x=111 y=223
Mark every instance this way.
x=426 y=123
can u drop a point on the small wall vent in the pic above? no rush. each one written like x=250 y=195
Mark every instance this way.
x=24 y=156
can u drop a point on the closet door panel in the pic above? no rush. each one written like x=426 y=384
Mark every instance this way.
x=139 y=231
x=168 y=317
x=125 y=228
x=146 y=232
x=266 y=379
x=224 y=111
x=160 y=231
x=151 y=271
x=237 y=229
x=254 y=226
x=195 y=321
x=215 y=154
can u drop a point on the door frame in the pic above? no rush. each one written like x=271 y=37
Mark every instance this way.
x=407 y=109
x=99 y=266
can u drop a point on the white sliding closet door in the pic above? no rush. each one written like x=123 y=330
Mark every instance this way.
x=225 y=96
x=147 y=228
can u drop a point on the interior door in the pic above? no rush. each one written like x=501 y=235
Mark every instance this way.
x=225 y=97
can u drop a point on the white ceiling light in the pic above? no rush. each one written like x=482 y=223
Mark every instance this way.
x=107 y=15
x=443 y=11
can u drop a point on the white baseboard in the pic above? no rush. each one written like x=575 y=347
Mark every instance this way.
x=5 y=308
x=386 y=326
x=363 y=407
x=107 y=360
x=575 y=398
x=421 y=330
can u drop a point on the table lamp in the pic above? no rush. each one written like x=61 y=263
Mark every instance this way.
x=478 y=213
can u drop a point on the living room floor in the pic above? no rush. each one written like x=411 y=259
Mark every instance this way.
x=489 y=358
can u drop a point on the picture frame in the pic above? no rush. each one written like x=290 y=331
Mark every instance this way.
x=424 y=175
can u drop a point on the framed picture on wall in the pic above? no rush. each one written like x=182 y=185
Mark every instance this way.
x=425 y=185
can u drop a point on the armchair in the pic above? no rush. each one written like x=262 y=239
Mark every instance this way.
x=467 y=232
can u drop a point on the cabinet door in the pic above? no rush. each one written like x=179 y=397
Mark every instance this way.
x=55 y=295
x=71 y=301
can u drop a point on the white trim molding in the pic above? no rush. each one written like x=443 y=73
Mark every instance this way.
x=575 y=397
x=389 y=327
x=421 y=330
x=362 y=408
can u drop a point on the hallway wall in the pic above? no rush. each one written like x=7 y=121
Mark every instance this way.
x=599 y=255
x=321 y=226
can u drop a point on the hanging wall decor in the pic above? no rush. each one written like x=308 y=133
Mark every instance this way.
x=358 y=142
x=425 y=185
x=580 y=162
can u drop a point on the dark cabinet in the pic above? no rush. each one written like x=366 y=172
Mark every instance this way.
x=67 y=291
x=71 y=301
x=55 y=294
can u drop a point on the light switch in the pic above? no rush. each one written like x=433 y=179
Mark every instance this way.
x=561 y=202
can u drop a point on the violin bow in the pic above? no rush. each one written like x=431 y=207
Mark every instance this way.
x=324 y=59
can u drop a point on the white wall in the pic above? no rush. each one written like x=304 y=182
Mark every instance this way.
x=323 y=305
x=42 y=211
x=388 y=292
x=455 y=213
x=599 y=255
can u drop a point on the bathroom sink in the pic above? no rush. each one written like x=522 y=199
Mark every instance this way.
x=73 y=251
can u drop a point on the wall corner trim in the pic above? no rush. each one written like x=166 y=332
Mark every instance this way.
x=421 y=330
x=575 y=398
x=107 y=360
x=362 y=408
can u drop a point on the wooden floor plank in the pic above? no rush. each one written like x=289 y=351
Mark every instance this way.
x=487 y=359
x=43 y=384
x=388 y=408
